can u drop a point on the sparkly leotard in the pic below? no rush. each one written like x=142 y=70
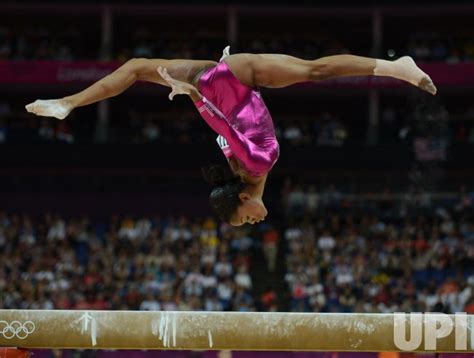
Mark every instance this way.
x=240 y=117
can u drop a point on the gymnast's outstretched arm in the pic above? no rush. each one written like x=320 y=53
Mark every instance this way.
x=117 y=82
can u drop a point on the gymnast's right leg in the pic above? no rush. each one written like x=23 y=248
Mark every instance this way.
x=118 y=81
x=277 y=71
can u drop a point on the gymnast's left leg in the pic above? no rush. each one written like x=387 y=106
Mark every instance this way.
x=118 y=81
x=277 y=71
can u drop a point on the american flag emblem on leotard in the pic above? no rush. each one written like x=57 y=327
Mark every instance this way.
x=222 y=142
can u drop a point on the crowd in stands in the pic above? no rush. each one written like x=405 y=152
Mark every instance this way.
x=411 y=253
x=317 y=46
x=435 y=47
x=156 y=43
x=325 y=128
x=148 y=263
x=65 y=42
x=384 y=253
x=16 y=126
x=43 y=42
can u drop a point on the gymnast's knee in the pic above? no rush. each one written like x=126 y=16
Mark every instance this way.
x=261 y=75
x=319 y=70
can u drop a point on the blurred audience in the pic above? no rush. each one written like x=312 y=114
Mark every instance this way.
x=383 y=254
x=431 y=46
x=46 y=42
x=144 y=263
x=63 y=42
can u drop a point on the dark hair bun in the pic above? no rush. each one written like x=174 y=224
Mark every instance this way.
x=216 y=175
x=224 y=197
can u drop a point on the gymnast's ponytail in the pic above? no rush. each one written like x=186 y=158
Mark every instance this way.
x=224 y=197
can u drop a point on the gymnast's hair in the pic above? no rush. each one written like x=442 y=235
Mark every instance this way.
x=224 y=197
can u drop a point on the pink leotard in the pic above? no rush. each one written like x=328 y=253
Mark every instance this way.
x=240 y=117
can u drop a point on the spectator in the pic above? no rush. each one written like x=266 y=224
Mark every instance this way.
x=296 y=201
x=46 y=131
x=270 y=248
x=151 y=132
x=243 y=279
x=3 y=131
x=293 y=134
x=64 y=133
x=269 y=300
x=150 y=303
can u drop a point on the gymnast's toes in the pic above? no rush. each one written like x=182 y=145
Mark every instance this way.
x=30 y=107
x=427 y=85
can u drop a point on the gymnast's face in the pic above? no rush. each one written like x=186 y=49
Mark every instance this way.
x=251 y=211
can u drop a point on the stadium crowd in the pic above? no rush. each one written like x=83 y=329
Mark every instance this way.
x=436 y=47
x=165 y=127
x=147 y=264
x=321 y=128
x=342 y=253
x=65 y=43
x=412 y=253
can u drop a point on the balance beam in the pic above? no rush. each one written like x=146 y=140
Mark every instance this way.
x=236 y=331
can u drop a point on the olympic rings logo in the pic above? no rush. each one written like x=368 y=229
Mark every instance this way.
x=16 y=329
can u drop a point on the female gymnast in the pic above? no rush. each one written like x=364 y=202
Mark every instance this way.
x=227 y=96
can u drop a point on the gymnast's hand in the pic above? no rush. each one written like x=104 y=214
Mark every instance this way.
x=58 y=108
x=178 y=87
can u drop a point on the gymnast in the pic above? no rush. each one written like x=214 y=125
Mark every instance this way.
x=228 y=98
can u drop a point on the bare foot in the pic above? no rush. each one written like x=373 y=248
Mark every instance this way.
x=416 y=75
x=427 y=85
x=58 y=108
